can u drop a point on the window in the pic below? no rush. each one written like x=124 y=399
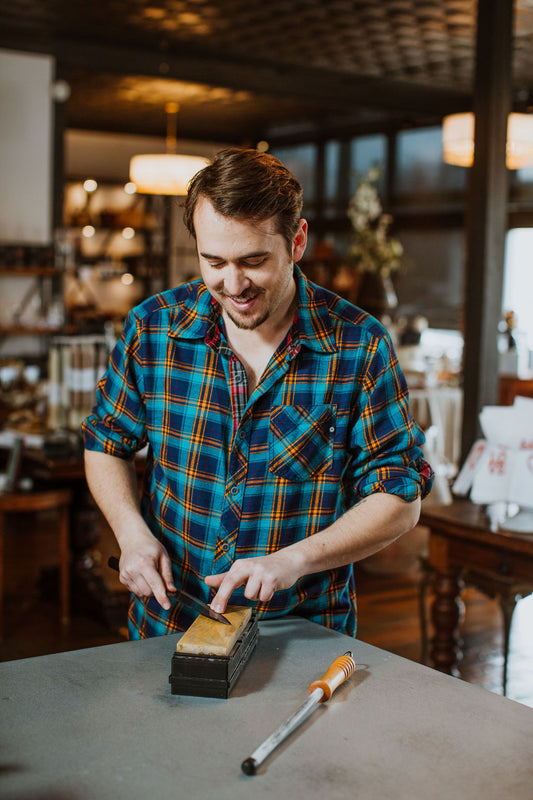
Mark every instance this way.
x=300 y=159
x=420 y=168
x=332 y=152
x=366 y=152
x=431 y=283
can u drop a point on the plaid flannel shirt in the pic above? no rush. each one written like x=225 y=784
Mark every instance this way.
x=229 y=477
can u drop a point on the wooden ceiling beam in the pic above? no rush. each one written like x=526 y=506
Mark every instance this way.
x=327 y=88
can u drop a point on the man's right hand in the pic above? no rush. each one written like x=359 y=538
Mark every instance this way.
x=146 y=570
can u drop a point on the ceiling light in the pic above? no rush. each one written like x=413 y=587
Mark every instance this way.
x=90 y=185
x=458 y=140
x=167 y=173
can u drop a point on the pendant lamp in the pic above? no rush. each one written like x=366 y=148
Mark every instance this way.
x=458 y=140
x=166 y=173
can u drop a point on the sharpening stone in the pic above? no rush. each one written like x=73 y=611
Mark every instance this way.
x=205 y=675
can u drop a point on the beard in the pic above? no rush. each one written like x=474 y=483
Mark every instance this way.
x=246 y=322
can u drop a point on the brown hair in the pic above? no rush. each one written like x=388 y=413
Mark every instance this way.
x=248 y=185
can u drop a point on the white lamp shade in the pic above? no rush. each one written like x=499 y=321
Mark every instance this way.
x=519 y=140
x=458 y=140
x=166 y=173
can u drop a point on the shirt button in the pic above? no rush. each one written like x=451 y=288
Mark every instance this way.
x=235 y=490
x=225 y=547
x=332 y=429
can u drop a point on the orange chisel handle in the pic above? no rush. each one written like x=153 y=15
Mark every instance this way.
x=320 y=690
x=338 y=672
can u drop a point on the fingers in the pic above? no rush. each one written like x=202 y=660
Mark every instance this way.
x=165 y=568
x=144 y=580
x=259 y=584
x=158 y=589
x=214 y=580
x=255 y=587
x=226 y=588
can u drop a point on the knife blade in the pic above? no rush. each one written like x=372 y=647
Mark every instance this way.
x=185 y=598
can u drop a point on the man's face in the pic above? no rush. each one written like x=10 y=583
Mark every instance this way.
x=246 y=265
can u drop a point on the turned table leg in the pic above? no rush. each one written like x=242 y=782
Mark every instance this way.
x=446 y=613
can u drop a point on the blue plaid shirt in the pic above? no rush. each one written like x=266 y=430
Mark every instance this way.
x=229 y=477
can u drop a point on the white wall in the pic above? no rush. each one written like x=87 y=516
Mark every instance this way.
x=26 y=139
x=518 y=290
x=106 y=156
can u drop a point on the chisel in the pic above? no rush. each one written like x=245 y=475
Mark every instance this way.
x=320 y=691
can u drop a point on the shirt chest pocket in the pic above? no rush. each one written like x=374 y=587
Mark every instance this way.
x=300 y=444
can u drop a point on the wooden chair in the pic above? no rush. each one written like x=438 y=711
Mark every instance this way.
x=31 y=502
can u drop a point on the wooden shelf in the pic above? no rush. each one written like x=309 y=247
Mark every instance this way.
x=30 y=330
x=29 y=271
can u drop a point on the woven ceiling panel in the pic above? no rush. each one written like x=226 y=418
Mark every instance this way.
x=430 y=40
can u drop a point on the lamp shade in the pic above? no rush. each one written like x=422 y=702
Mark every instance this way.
x=164 y=173
x=458 y=140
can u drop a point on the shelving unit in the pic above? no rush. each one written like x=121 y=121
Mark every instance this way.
x=23 y=271
x=30 y=330
x=81 y=286
x=44 y=283
x=116 y=249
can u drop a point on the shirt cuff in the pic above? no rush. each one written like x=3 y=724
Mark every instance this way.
x=99 y=437
x=408 y=482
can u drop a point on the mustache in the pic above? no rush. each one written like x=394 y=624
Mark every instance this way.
x=244 y=296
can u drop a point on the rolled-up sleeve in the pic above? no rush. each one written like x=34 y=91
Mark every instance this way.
x=386 y=442
x=116 y=425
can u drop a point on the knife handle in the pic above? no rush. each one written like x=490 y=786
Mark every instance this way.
x=113 y=562
x=338 y=672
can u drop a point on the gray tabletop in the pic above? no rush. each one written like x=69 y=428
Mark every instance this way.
x=101 y=723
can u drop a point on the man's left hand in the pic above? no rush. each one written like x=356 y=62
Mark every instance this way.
x=261 y=577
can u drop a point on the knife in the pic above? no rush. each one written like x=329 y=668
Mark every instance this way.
x=185 y=598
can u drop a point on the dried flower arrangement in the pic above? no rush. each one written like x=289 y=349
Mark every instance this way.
x=372 y=249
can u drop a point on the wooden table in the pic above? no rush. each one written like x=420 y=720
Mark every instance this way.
x=101 y=724
x=460 y=539
x=509 y=386
x=90 y=590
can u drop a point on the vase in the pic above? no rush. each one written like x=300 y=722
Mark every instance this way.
x=376 y=294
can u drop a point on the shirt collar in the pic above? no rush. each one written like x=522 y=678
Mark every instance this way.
x=314 y=322
x=194 y=318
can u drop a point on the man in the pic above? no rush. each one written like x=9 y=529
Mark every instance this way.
x=281 y=449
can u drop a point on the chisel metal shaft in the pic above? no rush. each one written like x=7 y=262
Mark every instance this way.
x=320 y=691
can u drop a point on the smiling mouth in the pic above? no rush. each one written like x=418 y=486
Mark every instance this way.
x=242 y=302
